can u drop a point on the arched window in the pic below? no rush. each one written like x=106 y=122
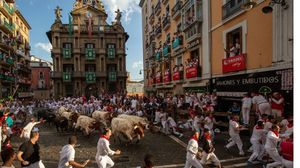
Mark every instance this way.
x=41 y=75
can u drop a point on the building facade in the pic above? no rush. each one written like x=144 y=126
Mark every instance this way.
x=239 y=48
x=252 y=50
x=14 y=52
x=41 y=84
x=89 y=55
x=175 y=46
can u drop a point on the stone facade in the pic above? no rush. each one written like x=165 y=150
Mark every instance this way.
x=89 y=55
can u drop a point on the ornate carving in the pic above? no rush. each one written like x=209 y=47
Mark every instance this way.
x=58 y=13
x=118 y=17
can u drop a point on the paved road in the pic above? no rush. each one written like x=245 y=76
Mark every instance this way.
x=168 y=151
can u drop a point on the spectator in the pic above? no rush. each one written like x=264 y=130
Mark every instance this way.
x=235 y=109
x=246 y=107
x=277 y=105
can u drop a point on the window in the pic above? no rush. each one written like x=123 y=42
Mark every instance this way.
x=111 y=51
x=90 y=67
x=67 y=68
x=89 y=45
x=167 y=10
x=41 y=75
x=179 y=60
x=233 y=42
x=179 y=27
x=168 y=38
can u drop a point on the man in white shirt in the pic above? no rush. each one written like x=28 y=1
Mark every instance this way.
x=27 y=129
x=246 y=107
x=261 y=104
x=192 y=154
x=257 y=142
x=234 y=132
x=103 y=150
x=67 y=155
x=271 y=146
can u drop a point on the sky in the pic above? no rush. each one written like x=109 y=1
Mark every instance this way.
x=40 y=15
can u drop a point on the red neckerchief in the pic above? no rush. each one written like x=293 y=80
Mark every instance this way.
x=259 y=127
x=103 y=136
x=207 y=137
x=194 y=138
x=276 y=133
x=290 y=125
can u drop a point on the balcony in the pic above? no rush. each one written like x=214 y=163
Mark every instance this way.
x=67 y=53
x=7 y=43
x=67 y=76
x=90 y=54
x=25 y=94
x=19 y=39
x=157 y=8
x=90 y=77
x=23 y=80
x=9 y=10
x=10 y=1
x=166 y=51
x=176 y=10
x=166 y=22
x=22 y=67
x=178 y=41
x=112 y=76
x=8 y=78
x=111 y=53
x=191 y=13
x=151 y=18
x=232 y=7
x=158 y=31
x=7 y=27
x=157 y=55
x=27 y=46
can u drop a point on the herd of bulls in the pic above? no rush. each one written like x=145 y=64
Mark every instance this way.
x=125 y=128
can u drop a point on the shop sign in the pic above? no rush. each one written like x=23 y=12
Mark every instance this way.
x=176 y=76
x=236 y=63
x=191 y=72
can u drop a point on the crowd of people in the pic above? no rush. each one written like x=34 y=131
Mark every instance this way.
x=271 y=126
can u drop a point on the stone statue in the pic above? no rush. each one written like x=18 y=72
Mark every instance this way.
x=58 y=13
x=77 y=4
x=118 y=17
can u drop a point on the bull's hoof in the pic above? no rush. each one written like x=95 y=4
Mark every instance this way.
x=138 y=141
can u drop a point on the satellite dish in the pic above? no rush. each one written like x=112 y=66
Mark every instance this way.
x=267 y=9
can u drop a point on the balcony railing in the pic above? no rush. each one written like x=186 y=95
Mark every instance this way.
x=90 y=53
x=9 y=9
x=67 y=52
x=166 y=51
x=165 y=1
x=158 y=55
x=112 y=76
x=24 y=80
x=151 y=18
x=90 y=77
x=22 y=67
x=27 y=46
x=157 y=8
x=176 y=9
x=178 y=41
x=67 y=76
x=232 y=7
x=7 y=77
x=158 y=31
x=166 y=22
x=111 y=53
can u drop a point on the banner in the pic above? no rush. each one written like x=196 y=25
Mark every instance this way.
x=191 y=72
x=157 y=78
x=167 y=77
x=176 y=76
x=236 y=63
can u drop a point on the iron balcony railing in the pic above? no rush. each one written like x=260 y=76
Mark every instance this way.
x=232 y=7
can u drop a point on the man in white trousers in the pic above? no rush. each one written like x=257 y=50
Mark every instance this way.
x=256 y=141
x=246 y=107
x=234 y=133
x=103 y=150
x=192 y=154
x=271 y=146
x=262 y=106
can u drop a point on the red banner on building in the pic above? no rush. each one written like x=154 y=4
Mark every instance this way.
x=166 y=77
x=235 y=63
x=176 y=76
x=191 y=72
x=157 y=78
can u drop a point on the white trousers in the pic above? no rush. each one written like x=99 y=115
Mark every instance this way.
x=258 y=150
x=287 y=163
x=104 y=162
x=157 y=119
x=273 y=153
x=210 y=156
x=191 y=160
x=264 y=108
x=38 y=164
x=236 y=140
x=246 y=114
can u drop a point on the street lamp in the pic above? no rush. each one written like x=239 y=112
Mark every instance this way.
x=269 y=8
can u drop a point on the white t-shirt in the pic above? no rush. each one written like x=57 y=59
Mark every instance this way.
x=67 y=154
x=259 y=99
x=233 y=127
x=209 y=123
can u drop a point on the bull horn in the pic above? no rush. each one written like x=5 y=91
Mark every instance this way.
x=135 y=127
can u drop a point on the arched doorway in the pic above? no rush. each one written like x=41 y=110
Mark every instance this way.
x=91 y=90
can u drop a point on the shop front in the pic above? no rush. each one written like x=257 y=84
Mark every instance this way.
x=232 y=88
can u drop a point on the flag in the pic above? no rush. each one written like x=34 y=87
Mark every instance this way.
x=70 y=26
